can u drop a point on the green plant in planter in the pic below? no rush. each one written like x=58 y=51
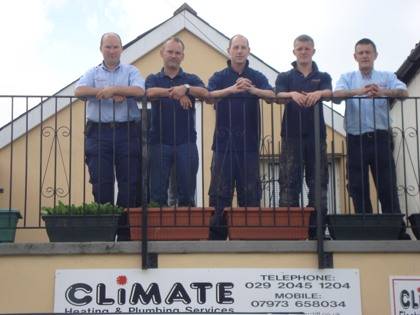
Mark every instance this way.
x=85 y=223
x=85 y=209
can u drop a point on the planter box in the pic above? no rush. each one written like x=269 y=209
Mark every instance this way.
x=171 y=223
x=8 y=222
x=415 y=224
x=385 y=226
x=268 y=223
x=81 y=228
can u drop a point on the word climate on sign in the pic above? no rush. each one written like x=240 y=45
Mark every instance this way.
x=294 y=291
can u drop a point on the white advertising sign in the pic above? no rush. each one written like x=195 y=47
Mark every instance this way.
x=405 y=295
x=194 y=291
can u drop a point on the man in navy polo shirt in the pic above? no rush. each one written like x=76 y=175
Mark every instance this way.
x=303 y=86
x=173 y=135
x=235 y=91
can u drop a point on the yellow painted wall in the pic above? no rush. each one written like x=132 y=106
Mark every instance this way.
x=28 y=281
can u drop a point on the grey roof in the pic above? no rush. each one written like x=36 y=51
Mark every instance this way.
x=410 y=66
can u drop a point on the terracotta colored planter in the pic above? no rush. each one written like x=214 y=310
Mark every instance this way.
x=269 y=223
x=171 y=224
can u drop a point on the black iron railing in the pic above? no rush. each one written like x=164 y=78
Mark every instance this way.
x=43 y=161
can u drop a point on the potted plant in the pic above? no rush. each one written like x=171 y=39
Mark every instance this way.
x=91 y=222
x=8 y=222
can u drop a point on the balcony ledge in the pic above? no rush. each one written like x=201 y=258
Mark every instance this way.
x=191 y=247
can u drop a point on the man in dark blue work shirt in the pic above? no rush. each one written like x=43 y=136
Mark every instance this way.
x=235 y=91
x=173 y=135
x=303 y=87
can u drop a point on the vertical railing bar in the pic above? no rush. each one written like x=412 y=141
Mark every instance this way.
x=70 y=146
x=375 y=149
x=55 y=150
x=40 y=160
x=404 y=163
x=84 y=154
x=334 y=192
x=319 y=231
x=417 y=145
x=26 y=162
x=145 y=166
x=11 y=152
x=271 y=165
x=202 y=161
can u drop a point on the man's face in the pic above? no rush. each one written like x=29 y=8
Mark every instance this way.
x=239 y=50
x=172 y=54
x=111 y=50
x=365 y=55
x=303 y=52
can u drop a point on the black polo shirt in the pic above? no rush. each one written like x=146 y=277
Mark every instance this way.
x=171 y=124
x=299 y=121
x=237 y=116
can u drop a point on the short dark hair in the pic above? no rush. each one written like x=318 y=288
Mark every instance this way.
x=365 y=41
x=107 y=34
x=304 y=38
x=237 y=35
x=175 y=39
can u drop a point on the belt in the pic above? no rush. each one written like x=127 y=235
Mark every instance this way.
x=371 y=134
x=114 y=124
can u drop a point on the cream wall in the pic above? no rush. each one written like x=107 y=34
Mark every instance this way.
x=28 y=281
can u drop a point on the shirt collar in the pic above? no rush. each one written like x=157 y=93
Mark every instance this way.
x=107 y=69
x=314 y=67
x=229 y=63
x=366 y=76
x=180 y=73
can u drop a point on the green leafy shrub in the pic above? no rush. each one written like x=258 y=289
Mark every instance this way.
x=85 y=209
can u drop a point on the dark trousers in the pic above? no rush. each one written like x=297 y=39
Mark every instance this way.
x=232 y=169
x=297 y=158
x=180 y=160
x=372 y=150
x=112 y=152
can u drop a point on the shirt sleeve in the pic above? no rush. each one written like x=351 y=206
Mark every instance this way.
x=88 y=79
x=214 y=82
x=326 y=82
x=395 y=83
x=342 y=83
x=281 y=83
x=262 y=82
x=135 y=79
x=150 y=81
x=194 y=80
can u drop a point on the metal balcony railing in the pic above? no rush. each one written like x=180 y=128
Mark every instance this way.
x=283 y=167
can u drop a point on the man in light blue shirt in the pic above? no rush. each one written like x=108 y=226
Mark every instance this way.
x=367 y=123
x=112 y=130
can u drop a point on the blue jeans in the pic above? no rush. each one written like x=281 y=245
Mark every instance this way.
x=184 y=159
x=113 y=152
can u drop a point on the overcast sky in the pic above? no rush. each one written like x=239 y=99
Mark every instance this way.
x=47 y=44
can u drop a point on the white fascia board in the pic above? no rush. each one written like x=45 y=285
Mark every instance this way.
x=152 y=40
